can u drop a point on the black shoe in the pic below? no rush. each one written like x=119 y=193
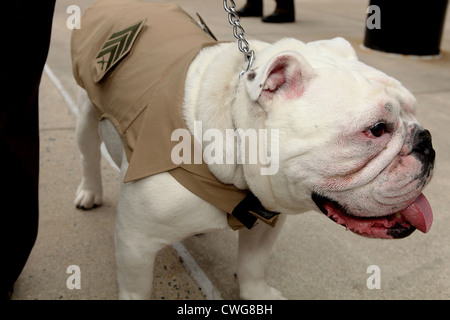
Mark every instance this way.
x=284 y=12
x=280 y=17
x=251 y=9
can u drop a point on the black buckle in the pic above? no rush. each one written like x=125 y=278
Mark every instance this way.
x=250 y=210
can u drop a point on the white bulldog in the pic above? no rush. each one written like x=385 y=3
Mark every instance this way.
x=349 y=145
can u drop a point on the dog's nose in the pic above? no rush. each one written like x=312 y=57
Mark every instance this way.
x=423 y=146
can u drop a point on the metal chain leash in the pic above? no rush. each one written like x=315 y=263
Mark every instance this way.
x=239 y=32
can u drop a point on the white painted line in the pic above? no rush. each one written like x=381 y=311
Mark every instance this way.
x=62 y=91
x=208 y=289
x=194 y=270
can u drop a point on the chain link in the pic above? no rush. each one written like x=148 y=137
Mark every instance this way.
x=238 y=33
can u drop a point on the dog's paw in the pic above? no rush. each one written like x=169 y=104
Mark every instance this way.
x=261 y=291
x=88 y=199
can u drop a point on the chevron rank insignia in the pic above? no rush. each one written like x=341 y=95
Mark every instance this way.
x=114 y=49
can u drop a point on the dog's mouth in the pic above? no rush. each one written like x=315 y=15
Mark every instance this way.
x=418 y=215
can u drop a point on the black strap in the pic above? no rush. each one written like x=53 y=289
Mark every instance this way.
x=250 y=210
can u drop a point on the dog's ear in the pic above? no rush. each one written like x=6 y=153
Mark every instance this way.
x=285 y=75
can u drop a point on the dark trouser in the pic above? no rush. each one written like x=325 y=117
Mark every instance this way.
x=26 y=28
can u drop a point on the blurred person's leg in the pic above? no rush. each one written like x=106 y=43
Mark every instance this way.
x=26 y=30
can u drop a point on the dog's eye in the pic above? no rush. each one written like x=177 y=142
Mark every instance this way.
x=378 y=130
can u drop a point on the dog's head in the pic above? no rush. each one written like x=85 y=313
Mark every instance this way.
x=349 y=141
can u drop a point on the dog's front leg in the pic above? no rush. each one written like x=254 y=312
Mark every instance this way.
x=255 y=247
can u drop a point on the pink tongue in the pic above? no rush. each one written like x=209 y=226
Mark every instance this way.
x=419 y=214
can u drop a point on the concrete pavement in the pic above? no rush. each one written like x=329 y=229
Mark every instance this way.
x=313 y=259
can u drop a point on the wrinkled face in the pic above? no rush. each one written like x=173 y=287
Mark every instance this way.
x=350 y=143
x=374 y=162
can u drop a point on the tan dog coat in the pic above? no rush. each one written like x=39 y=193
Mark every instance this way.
x=132 y=59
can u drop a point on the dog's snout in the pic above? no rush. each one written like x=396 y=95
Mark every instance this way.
x=423 y=146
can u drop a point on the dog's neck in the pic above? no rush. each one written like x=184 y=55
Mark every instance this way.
x=215 y=98
x=210 y=89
